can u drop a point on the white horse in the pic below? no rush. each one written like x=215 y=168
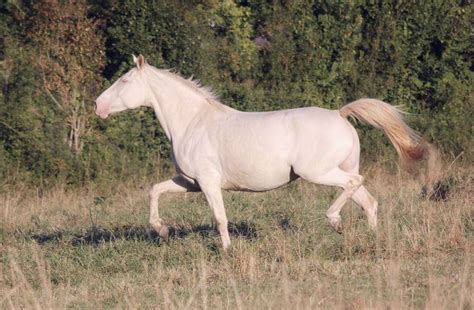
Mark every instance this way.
x=216 y=147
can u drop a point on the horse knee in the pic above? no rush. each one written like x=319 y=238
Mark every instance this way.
x=221 y=222
x=155 y=192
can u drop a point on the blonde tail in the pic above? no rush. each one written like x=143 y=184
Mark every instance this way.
x=388 y=118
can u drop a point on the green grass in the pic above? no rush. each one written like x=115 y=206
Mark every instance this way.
x=71 y=249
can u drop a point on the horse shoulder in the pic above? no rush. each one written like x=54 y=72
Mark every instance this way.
x=196 y=150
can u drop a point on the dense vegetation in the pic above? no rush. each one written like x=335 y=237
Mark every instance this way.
x=57 y=56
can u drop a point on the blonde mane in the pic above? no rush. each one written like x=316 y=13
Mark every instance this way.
x=195 y=85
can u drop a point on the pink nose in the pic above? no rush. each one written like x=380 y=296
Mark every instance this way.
x=101 y=107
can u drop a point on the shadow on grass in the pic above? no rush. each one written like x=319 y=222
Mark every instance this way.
x=99 y=235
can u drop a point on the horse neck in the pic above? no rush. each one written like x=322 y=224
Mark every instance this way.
x=176 y=104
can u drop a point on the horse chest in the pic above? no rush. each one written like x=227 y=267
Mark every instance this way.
x=183 y=165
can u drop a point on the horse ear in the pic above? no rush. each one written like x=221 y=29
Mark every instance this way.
x=134 y=59
x=140 y=61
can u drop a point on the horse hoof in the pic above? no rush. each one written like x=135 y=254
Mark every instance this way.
x=336 y=224
x=164 y=233
x=338 y=227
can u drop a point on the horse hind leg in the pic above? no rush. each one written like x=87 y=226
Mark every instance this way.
x=361 y=196
x=364 y=199
x=350 y=183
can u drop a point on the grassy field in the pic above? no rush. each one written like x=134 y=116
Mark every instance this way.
x=93 y=248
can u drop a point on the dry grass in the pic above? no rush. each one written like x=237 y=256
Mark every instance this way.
x=75 y=249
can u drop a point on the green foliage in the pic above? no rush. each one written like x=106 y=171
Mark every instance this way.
x=257 y=55
x=236 y=52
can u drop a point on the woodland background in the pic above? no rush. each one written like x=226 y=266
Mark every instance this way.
x=57 y=56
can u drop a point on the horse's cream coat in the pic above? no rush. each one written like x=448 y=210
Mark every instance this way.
x=216 y=147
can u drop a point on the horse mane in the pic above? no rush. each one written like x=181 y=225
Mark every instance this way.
x=210 y=96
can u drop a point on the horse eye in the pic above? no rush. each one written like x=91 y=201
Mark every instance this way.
x=124 y=80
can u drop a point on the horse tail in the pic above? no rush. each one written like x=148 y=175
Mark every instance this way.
x=389 y=118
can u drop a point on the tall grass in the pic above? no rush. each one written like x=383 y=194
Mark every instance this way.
x=93 y=248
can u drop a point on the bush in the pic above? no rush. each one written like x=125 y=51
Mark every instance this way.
x=258 y=56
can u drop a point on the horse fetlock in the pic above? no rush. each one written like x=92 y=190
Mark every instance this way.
x=372 y=214
x=162 y=229
x=335 y=222
x=158 y=225
x=225 y=241
x=372 y=221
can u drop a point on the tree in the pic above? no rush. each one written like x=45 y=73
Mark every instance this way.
x=69 y=55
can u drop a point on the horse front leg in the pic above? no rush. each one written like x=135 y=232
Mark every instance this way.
x=176 y=184
x=214 y=198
